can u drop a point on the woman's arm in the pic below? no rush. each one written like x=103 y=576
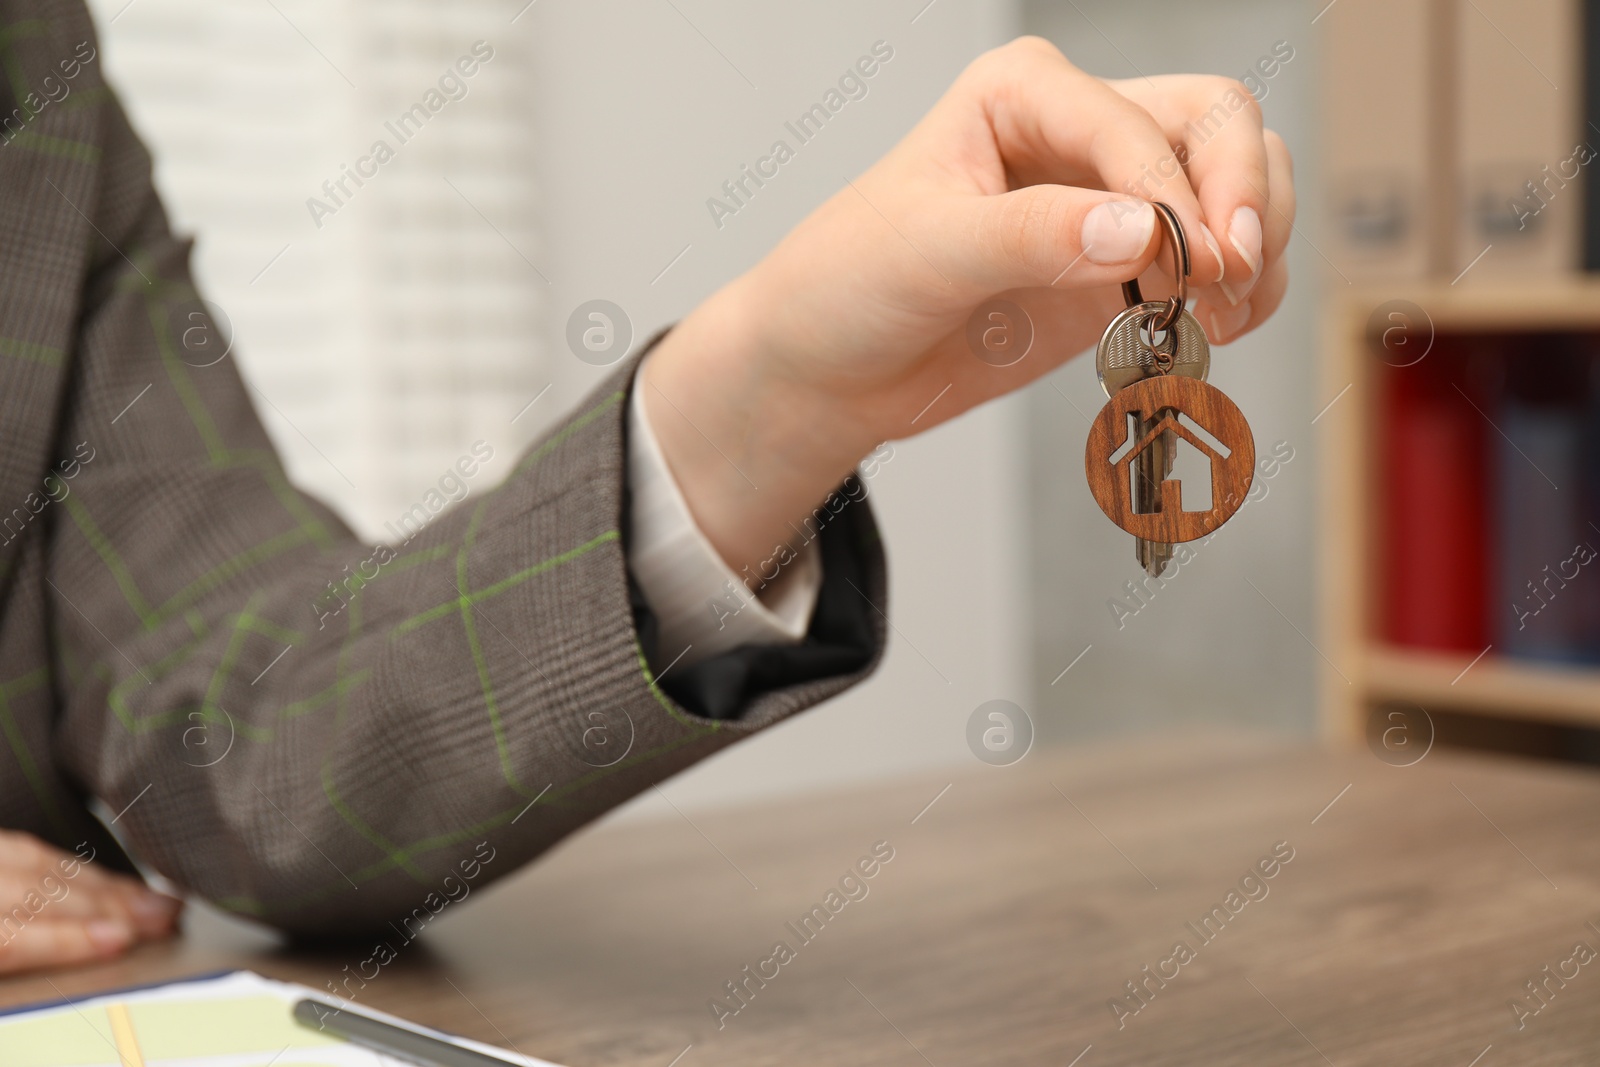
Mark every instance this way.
x=1029 y=179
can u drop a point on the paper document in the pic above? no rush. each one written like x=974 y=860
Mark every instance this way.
x=235 y=1020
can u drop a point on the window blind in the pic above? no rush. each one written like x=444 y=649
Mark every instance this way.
x=386 y=331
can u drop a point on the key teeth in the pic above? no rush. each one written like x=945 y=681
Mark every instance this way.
x=1150 y=557
x=1159 y=555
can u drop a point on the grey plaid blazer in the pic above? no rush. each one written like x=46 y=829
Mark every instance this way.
x=155 y=563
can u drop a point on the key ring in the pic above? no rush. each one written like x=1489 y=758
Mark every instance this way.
x=1180 y=264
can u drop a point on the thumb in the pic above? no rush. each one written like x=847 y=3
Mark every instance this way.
x=1053 y=235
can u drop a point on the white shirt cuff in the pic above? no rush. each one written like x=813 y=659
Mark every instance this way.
x=702 y=607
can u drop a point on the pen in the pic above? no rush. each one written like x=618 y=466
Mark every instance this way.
x=409 y=1045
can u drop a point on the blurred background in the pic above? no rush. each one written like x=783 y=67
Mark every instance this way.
x=427 y=308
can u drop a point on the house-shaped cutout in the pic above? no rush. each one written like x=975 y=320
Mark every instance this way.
x=1171 y=489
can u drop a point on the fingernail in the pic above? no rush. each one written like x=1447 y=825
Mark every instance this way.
x=1229 y=292
x=108 y=936
x=154 y=908
x=1244 y=233
x=1216 y=250
x=1118 y=231
x=1228 y=321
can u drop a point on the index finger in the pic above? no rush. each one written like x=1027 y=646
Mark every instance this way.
x=1056 y=124
x=1218 y=123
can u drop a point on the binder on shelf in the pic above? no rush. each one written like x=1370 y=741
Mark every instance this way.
x=1591 y=133
x=1547 y=579
x=1433 y=519
x=1589 y=504
x=1521 y=153
x=1382 y=154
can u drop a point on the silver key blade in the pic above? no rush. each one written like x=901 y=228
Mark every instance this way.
x=1150 y=469
x=1161 y=552
x=1153 y=556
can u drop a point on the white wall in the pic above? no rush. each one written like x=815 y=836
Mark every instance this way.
x=386 y=340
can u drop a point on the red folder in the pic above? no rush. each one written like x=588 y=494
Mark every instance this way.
x=1433 y=501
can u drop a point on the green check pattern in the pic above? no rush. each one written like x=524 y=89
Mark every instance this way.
x=159 y=644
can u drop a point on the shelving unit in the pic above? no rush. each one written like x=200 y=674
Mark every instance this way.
x=1361 y=673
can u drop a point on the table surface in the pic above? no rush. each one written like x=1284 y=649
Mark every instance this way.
x=1418 y=903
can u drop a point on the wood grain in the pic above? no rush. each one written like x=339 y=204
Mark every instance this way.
x=1164 y=397
x=1014 y=909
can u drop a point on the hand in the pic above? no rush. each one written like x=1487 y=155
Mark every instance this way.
x=770 y=392
x=57 y=909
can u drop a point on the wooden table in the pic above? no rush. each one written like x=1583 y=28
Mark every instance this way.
x=1418 y=902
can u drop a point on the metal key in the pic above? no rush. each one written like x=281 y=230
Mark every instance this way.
x=1145 y=354
x=1126 y=354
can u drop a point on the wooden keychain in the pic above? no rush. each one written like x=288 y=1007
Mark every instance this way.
x=1134 y=439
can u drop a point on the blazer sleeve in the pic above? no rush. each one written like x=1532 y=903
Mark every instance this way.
x=324 y=734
